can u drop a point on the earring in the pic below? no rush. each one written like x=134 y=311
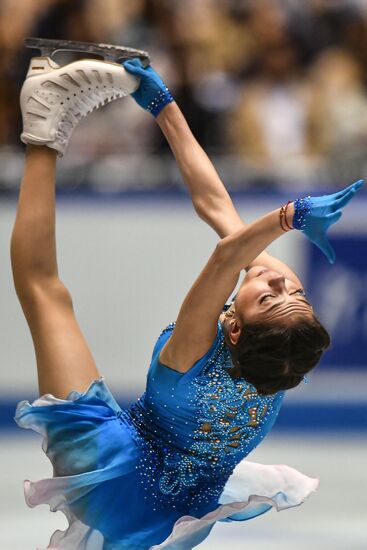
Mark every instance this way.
x=229 y=313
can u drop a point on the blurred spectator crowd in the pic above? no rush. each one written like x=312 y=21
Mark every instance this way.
x=275 y=90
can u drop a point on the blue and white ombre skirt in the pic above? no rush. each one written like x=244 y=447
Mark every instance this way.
x=94 y=456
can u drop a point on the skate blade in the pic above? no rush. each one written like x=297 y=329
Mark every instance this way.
x=109 y=52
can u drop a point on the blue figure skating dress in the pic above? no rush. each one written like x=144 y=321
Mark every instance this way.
x=159 y=474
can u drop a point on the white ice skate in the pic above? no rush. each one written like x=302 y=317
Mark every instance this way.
x=54 y=99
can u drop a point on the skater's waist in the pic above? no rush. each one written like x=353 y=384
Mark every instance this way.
x=152 y=429
x=165 y=445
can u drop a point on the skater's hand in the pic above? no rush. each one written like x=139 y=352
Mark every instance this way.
x=152 y=94
x=314 y=216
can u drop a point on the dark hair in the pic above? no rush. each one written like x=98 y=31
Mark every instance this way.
x=276 y=357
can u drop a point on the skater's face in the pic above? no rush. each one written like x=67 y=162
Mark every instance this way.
x=266 y=295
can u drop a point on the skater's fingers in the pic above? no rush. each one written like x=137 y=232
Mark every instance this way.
x=358 y=184
x=134 y=66
x=343 y=201
x=333 y=217
x=135 y=61
x=324 y=244
x=354 y=186
x=344 y=191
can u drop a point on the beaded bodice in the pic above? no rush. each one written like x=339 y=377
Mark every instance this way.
x=194 y=428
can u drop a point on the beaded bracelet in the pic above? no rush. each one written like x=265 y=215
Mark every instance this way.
x=302 y=207
x=162 y=98
x=283 y=217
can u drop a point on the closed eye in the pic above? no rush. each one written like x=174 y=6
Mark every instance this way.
x=266 y=296
x=300 y=292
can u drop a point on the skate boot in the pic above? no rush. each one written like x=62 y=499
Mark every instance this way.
x=54 y=99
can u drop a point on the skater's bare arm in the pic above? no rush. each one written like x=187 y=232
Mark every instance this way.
x=209 y=195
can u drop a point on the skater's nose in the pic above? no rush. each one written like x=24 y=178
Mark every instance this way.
x=277 y=282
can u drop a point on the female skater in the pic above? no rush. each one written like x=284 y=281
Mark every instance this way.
x=160 y=474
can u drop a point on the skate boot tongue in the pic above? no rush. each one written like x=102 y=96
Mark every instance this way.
x=54 y=99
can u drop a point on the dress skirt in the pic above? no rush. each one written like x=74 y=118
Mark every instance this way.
x=94 y=454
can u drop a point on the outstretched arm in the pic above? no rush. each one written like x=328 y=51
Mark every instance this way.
x=197 y=319
x=208 y=193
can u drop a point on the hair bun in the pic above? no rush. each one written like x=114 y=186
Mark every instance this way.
x=277 y=357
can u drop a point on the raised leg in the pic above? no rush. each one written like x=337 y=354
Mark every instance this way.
x=64 y=361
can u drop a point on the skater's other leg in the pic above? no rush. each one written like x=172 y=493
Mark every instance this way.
x=64 y=361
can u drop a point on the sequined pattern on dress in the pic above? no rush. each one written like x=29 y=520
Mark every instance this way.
x=229 y=415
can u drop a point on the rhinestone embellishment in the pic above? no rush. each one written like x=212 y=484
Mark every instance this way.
x=228 y=421
x=157 y=104
x=302 y=207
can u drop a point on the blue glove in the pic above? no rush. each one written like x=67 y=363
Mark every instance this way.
x=152 y=94
x=314 y=215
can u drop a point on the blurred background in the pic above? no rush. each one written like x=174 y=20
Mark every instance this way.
x=276 y=92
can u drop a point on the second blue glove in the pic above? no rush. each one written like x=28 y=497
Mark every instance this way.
x=314 y=215
x=152 y=94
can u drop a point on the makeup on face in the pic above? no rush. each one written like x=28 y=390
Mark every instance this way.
x=266 y=293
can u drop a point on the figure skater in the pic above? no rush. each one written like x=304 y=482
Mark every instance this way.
x=160 y=474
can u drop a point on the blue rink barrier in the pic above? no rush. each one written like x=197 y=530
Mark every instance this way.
x=348 y=416
x=339 y=293
x=316 y=416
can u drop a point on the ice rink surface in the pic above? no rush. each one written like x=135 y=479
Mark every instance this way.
x=333 y=518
